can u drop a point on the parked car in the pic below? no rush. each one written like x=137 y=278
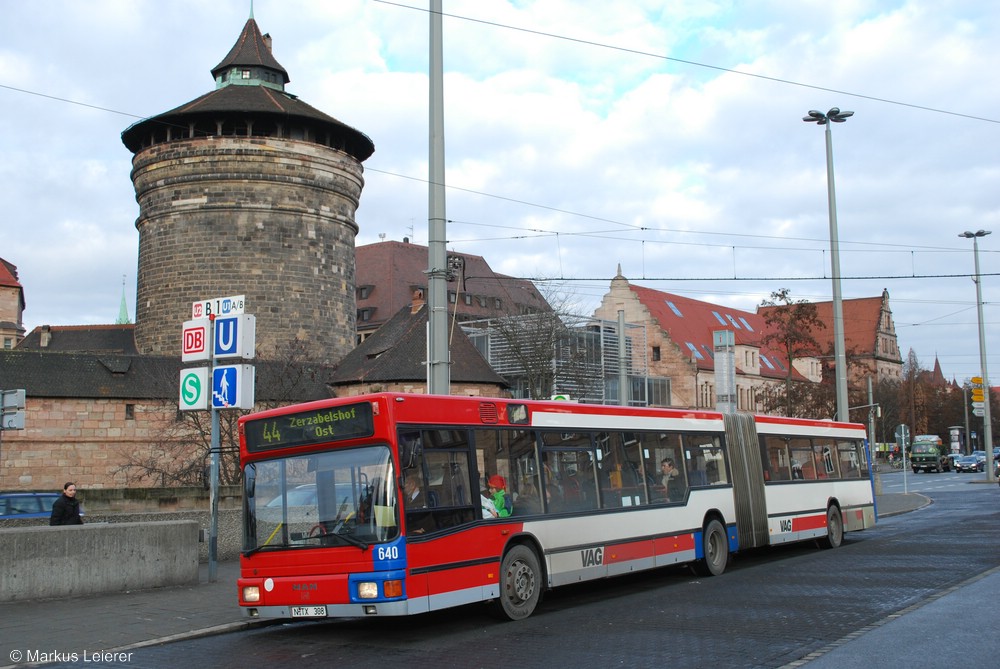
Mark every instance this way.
x=27 y=504
x=970 y=463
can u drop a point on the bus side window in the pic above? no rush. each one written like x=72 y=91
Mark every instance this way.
x=803 y=464
x=776 y=458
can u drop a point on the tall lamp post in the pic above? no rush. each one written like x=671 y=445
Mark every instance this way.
x=840 y=356
x=987 y=427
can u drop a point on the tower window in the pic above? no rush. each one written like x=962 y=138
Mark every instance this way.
x=246 y=74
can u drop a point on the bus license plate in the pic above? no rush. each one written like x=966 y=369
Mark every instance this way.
x=309 y=612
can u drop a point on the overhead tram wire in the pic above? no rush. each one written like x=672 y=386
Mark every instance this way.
x=718 y=68
x=882 y=277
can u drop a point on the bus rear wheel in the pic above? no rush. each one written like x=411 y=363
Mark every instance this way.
x=834 y=529
x=520 y=584
x=716 y=547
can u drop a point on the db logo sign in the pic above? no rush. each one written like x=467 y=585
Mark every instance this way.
x=194 y=340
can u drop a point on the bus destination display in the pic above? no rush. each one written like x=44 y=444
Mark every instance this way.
x=310 y=427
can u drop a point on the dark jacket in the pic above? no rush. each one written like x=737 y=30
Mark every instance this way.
x=66 y=511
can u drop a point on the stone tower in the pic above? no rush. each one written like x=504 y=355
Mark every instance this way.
x=247 y=190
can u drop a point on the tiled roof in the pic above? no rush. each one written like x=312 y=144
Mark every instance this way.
x=251 y=99
x=387 y=273
x=89 y=375
x=8 y=274
x=690 y=323
x=397 y=351
x=105 y=375
x=250 y=49
x=861 y=322
x=82 y=339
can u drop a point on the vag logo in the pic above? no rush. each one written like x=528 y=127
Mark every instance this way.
x=592 y=557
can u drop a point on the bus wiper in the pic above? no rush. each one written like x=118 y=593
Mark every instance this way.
x=346 y=537
x=351 y=540
x=255 y=549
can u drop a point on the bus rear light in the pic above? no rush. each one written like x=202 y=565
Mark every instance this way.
x=393 y=588
x=367 y=590
x=251 y=593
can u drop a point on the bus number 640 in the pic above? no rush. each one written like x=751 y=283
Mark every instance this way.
x=388 y=552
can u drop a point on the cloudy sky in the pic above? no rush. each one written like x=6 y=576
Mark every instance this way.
x=580 y=134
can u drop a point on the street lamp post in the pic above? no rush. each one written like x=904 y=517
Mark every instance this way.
x=987 y=427
x=840 y=356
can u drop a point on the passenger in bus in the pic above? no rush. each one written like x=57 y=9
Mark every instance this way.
x=502 y=502
x=671 y=485
x=412 y=496
x=418 y=520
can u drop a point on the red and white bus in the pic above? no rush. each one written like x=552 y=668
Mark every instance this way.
x=376 y=505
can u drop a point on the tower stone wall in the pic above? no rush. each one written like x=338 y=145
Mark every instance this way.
x=266 y=217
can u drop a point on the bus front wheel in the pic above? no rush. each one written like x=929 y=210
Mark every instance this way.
x=834 y=529
x=716 y=547
x=520 y=584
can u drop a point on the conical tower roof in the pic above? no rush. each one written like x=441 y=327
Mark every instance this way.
x=250 y=95
x=251 y=49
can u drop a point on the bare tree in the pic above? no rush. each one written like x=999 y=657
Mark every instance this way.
x=790 y=327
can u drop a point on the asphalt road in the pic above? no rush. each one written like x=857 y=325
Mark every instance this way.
x=773 y=608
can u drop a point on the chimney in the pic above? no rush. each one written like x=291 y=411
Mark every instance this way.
x=418 y=300
x=45 y=337
x=267 y=41
x=406 y=240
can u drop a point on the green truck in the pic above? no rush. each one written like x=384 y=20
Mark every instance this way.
x=929 y=454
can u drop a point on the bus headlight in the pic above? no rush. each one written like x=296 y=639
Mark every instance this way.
x=367 y=590
x=251 y=593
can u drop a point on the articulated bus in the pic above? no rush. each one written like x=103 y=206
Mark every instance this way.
x=378 y=505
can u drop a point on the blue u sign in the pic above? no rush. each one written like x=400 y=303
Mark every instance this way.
x=227 y=338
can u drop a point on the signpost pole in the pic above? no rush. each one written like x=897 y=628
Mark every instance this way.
x=213 y=534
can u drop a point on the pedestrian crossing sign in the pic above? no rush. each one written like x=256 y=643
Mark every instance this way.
x=233 y=387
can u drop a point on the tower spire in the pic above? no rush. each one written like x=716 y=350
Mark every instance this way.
x=123 y=307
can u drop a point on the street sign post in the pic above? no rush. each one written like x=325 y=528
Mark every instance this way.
x=218 y=329
x=903 y=439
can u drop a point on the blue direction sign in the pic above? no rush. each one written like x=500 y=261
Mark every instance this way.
x=235 y=336
x=233 y=387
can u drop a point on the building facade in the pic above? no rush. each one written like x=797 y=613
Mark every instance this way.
x=681 y=348
x=11 y=306
x=389 y=272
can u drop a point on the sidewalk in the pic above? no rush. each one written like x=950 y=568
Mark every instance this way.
x=123 y=620
x=134 y=619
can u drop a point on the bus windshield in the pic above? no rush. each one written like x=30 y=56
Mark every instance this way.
x=334 y=498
